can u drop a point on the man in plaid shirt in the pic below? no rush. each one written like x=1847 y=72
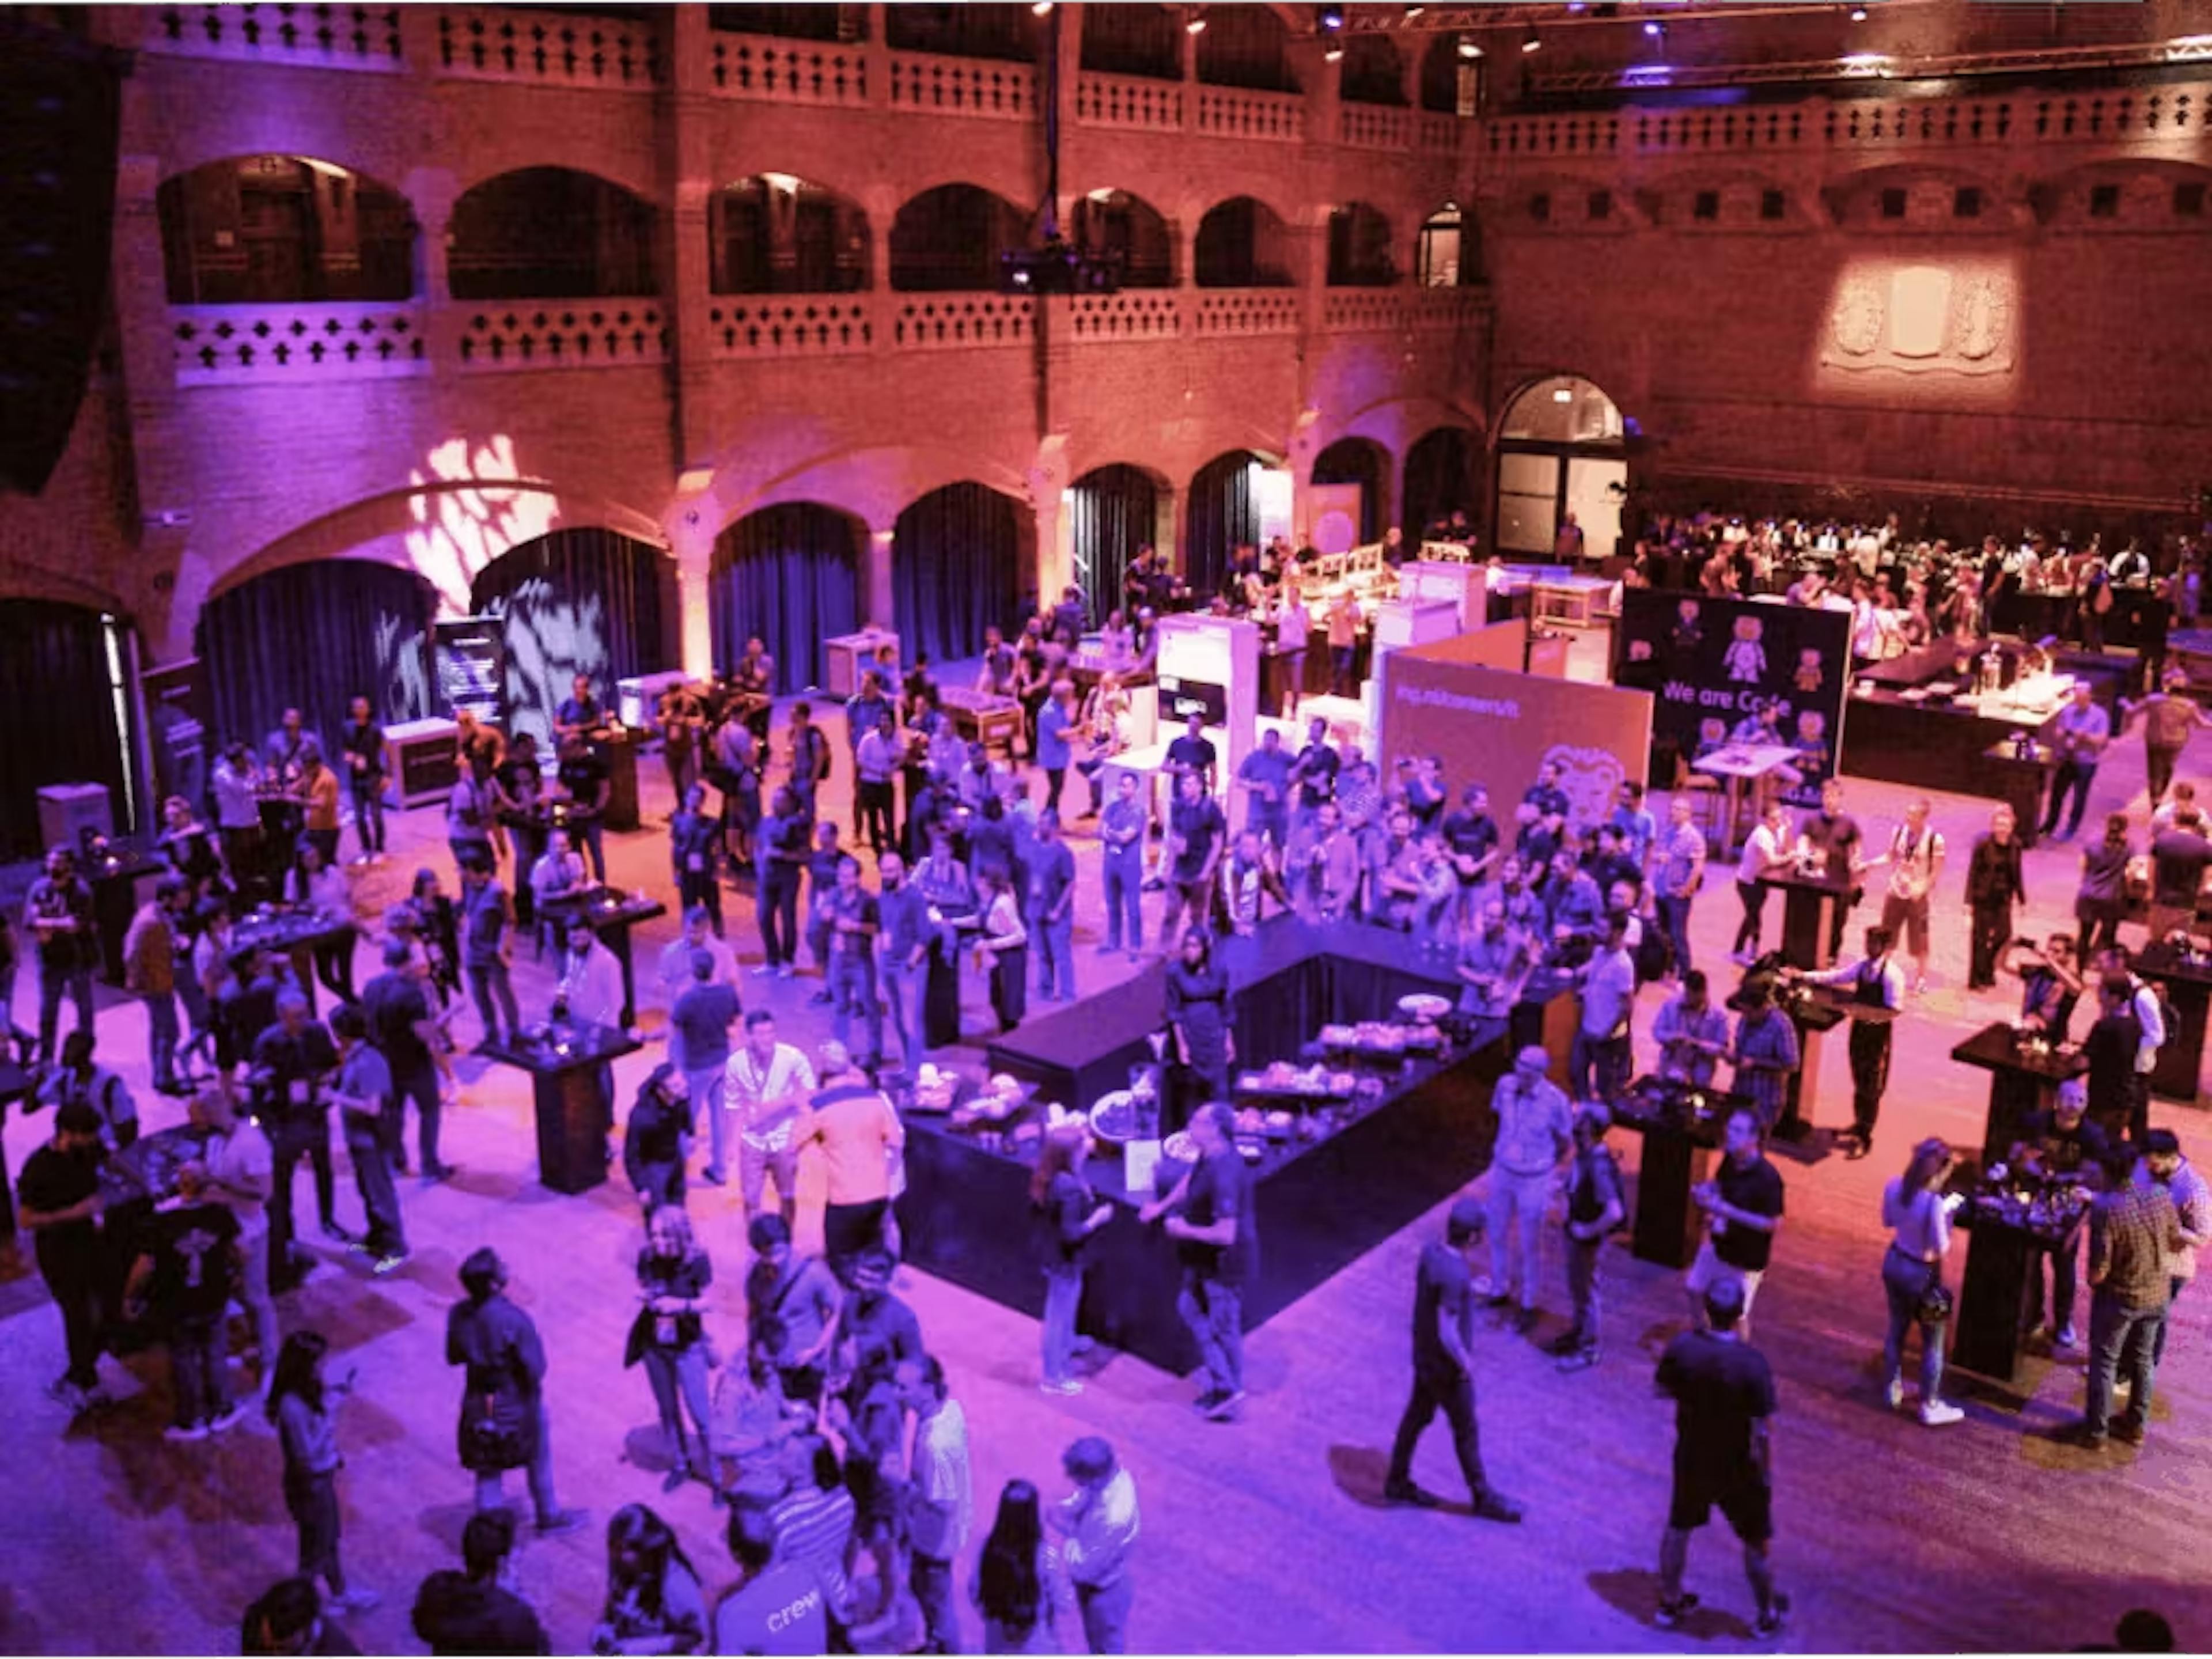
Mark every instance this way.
x=2134 y=1232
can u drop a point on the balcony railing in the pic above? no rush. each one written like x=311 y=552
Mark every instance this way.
x=1132 y=314
x=1374 y=126
x=548 y=48
x=539 y=334
x=296 y=345
x=1129 y=101
x=1233 y=112
x=319 y=37
x=1247 y=311
x=933 y=322
x=774 y=71
x=1365 y=310
x=964 y=86
x=791 y=326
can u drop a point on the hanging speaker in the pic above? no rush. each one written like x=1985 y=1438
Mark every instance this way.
x=60 y=116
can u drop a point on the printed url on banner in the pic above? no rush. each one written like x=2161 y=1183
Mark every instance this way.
x=1504 y=709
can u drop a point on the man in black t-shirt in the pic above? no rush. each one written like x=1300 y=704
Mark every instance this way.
x=2061 y=1145
x=1743 y=1211
x=59 y=1203
x=401 y=1027
x=471 y=1611
x=1193 y=753
x=1209 y=1215
x=1196 y=833
x=1444 y=1367
x=1723 y=1395
x=187 y=1276
x=584 y=782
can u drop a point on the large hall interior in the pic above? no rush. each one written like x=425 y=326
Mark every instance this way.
x=979 y=785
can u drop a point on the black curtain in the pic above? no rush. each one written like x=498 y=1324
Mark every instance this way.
x=60 y=724
x=1222 y=516
x=1439 y=480
x=1114 y=511
x=791 y=576
x=314 y=637
x=955 y=570
x=1354 y=461
x=584 y=601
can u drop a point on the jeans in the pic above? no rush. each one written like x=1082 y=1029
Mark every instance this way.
x=196 y=1369
x=592 y=832
x=849 y=1231
x=54 y=983
x=1752 y=896
x=312 y=1502
x=853 y=985
x=491 y=1483
x=292 y=1139
x=932 y=1580
x=1599 y=1066
x=1583 y=1257
x=704 y=1088
x=2076 y=776
x=1055 y=781
x=1516 y=1211
x=201 y=1044
x=903 y=988
x=369 y=811
x=875 y=802
x=1125 y=889
x=1907 y=1279
x=2065 y=1280
x=1869 y=1056
x=1055 y=957
x=2174 y=1288
x=1991 y=926
x=489 y=984
x=702 y=890
x=77 y=1299
x=372 y=1172
x=1454 y=1396
x=1105 y=1610
x=2157 y=765
x=161 y=1034
x=779 y=915
x=1674 y=922
x=678 y=1376
x=1215 y=1313
x=1340 y=659
x=2121 y=1338
x=1063 y=1300
x=419 y=1085
x=254 y=1296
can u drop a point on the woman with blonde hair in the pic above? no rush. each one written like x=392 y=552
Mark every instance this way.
x=669 y=1335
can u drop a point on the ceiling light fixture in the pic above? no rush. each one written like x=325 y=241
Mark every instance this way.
x=1413 y=12
x=1654 y=30
x=1041 y=7
x=1858 y=14
x=1334 y=52
x=1470 y=47
x=1195 y=23
x=1331 y=18
x=1532 y=41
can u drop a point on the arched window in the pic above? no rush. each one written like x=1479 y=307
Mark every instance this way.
x=1560 y=452
x=551 y=233
x=1450 y=84
x=1115 y=510
x=270 y=229
x=1439 y=482
x=1448 y=252
x=1008 y=33
x=1132 y=39
x=788 y=575
x=1372 y=72
x=1245 y=46
x=773 y=233
x=1563 y=410
x=1128 y=228
x=1241 y=244
x=958 y=561
x=951 y=238
x=1359 y=251
x=1223 y=515
x=1365 y=466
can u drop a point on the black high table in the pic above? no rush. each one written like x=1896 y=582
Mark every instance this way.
x=2004 y=1258
x=1808 y=914
x=2019 y=1082
x=1682 y=1128
x=611 y=915
x=113 y=877
x=293 y=932
x=2188 y=984
x=572 y=1070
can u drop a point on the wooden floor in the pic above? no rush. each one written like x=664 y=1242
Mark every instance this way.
x=1263 y=1537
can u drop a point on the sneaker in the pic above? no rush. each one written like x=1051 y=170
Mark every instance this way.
x=1493 y=1505
x=2065 y=1336
x=1670 y=1612
x=2129 y=1430
x=563 y=1521
x=1224 y=1406
x=228 y=1419
x=388 y=1264
x=1566 y=1342
x=1064 y=1387
x=444 y=1172
x=1405 y=1492
x=1580 y=1360
x=713 y=1177
x=787 y=972
x=1526 y=1320
x=767 y=969
x=185 y=1431
x=1893 y=1392
x=1205 y=1402
x=820 y=1000
x=336 y=1234
x=2080 y=1433
x=1935 y=1414
x=1771 y=1618
x=356 y=1600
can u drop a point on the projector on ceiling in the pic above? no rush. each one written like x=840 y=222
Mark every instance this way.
x=1057 y=266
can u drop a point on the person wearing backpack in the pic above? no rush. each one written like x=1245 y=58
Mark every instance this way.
x=504 y=1424
x=1597 y=1209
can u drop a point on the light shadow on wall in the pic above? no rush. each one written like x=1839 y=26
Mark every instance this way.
x=458 y=531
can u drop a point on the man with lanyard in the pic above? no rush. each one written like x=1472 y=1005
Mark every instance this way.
x=580 y=715
x=782 y=860
x=238 y=816
x=853 y=922
x=1192 y=754
x=583 y=782
x=1122 y=831
x=1678 y=871
x=1915 y=858
x=1314 y=770
x=1048 y=876
x=1835 y=834
x=1265 y=777
x=1596 y=1205
x=695 y=846
x=1471 y=835
x=1494 y=964
x=468 y=821
x=1055 y=719
x=58 y=915
x=362 y=742
x=292 y=1062
x=1638 y=829
x=821 y=886
x=488 y=950
x=1209 y=1216
x=363 y=1093
x=1765 y=1053
x=1600 y=1061
x=1535 y=1128
x=1248 y=879
x=404 y=1028
x=1546 y=795
x=875 y=767
x=2080 y=732
x=1692 y=1034
x=79 y=1079
x=902 y=965
x=1876 y=983
x=1196 y=830
x=766 y=1087
x=1743 y=1205
x=809 y=758
x=2149 y=1010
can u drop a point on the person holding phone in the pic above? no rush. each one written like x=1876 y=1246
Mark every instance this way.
x=1918 y=1212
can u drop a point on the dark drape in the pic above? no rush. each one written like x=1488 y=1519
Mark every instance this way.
x=584 y=601
x=1222 y=516
x=955 y=570
x=791 y=576
x=57 y=723
x=1354 y=461
x=1114 y=510
x=1439 y=480
x=314 y=637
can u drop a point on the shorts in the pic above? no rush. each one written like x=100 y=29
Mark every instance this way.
x=755 y=1164
x=1746 y=1501
x=1708 y=1270
x=1907 y=920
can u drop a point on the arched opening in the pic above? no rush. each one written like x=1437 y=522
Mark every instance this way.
x=1448 y=253
x=66 y=678
x=1242 y=243
x=1359 y=251
x=788 y=575
x=959 y=556
x=1450 y=84
x=845 y=24
x=1351 y=463
x=951 y=238
x=1007 y=33
x=1223 y=515
x=1132 y=39
x=274 y=229
x=1372 y=71
x=1115 y=225
x=314 y=636
x=583 y=601
x=1439 y=483
x=1562 y=468
x=774 y=233
x=1245 y=46
x=551 y=233
x=1113 y=511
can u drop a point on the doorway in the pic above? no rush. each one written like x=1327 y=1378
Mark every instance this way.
x=1561 y=450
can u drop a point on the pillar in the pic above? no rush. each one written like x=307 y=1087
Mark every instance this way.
x=432 y=191
x=878 y=602
x=691 y=528
x=686 y=180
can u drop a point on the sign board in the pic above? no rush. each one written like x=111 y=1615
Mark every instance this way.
x=469 y=662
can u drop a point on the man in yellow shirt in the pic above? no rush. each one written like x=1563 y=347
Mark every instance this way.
x=861 y=1139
